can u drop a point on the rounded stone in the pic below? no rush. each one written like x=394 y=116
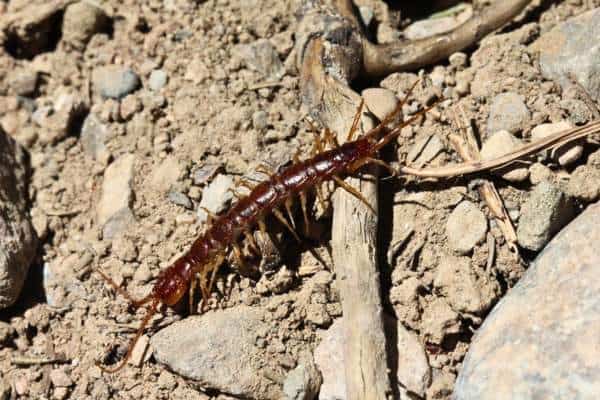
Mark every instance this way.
x=466 y=227
x=381 y=102
x=508 y=112
x=542 y=339
x=499 y=144
x=115 y=81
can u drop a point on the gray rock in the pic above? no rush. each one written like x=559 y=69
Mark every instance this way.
x=463 y=288
x=381 y=102
x=408 y=358
x=466 y=227
x=565 y=154
x=262 y=57
x=216 y=196
x=507 y=112
x=571 y=50
x=114 y=208
x=585 y=183
x=180 y=199
x=303 y=382
x=546 y=211
x=17 y=238
x=158 y=79
x=94 y=135
x=499 y=144
x=541 y=340
x=579 y=112
x=218 y=350
x=115 y=81
x=81 y=21
x=260 y=120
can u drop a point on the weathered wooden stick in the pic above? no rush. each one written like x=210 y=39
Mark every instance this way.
x=326 y=69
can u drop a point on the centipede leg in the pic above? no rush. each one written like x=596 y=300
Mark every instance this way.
x=288 y=209
x=352 y=191
x=279 y=215
x=246 y=184
x=331 y=139
x=134 y=302
x=355 y=122
x=265 y=169
x=320 y=197
x=369 y=160
x=253 y=244
x=304 y=212
x=210 y=217
x=191 y=295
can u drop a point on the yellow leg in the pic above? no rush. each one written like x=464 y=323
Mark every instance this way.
x=355 y=121
x=353 y=192
x=279 y=215
x=304 y=212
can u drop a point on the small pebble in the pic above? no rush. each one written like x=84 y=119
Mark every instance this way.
x=115 y=81
x=129 y=106
x=546 y=211
x=466 y=226
x=458 y=59
x=565 y=154
x=217 y=195
x=538 y=172
x=180 y=199
x=60 y=379
x=158 y=79
x=585 y=183
x=499 y=144
x=381 y=102
x=508 y=112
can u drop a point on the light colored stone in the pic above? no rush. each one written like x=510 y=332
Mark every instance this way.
x=565 y=154
x=216 y=196
x=413 y=371
x=465 y=290
x=466 y=227
x=546 y=211
x=436 y=26
x=218 y=350
x=114 y=81
x=499 y=144
x=425 y=150
x=508 y=112
x=542 y=339
x=585 y=183
x=381 y=102
x=439 y=320
x=113 y=209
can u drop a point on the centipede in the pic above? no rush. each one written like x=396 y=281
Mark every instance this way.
x=330 y=161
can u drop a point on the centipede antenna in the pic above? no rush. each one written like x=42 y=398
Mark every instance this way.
x=151 y=311
x=397 y=130
x=391 y=116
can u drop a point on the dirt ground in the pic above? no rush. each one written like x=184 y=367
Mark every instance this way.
x=220 y=112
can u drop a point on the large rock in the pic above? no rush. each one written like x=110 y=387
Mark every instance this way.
x=218 y=349
x=17 y=237
x=543 y=339
x=571 y=50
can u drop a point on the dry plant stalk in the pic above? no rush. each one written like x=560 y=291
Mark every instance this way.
x=467 y=148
